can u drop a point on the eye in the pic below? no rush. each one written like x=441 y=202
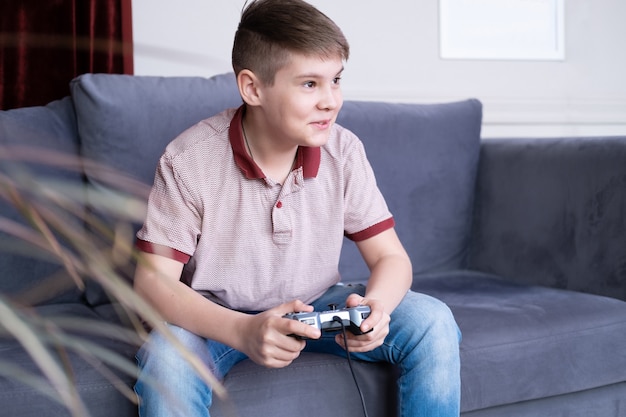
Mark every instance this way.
x=309 y=84
x=337 y=80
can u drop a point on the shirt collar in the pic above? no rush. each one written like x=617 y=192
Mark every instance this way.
x=307 y=157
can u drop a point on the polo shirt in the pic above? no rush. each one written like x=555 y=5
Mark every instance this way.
x=248 y=242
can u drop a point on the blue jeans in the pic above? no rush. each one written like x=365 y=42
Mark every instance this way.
x=423 y=341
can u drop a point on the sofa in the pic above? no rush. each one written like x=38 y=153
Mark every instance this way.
x=524 y=240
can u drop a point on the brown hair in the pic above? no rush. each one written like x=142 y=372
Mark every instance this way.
x=271 y=30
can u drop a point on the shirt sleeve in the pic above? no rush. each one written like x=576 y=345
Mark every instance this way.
x=366 y=213
x=173 y=221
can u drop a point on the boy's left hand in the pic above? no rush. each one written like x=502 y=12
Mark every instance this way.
x=377 y=320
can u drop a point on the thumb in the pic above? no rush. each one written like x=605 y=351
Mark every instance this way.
x=354 y=300
x=296 y=306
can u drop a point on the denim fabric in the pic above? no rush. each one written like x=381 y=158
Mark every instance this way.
x=423 y=341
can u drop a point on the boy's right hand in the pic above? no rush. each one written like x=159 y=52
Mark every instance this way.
x=265 y=336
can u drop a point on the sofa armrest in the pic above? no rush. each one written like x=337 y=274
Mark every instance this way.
x=553 y=212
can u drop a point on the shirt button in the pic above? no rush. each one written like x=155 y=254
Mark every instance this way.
x=279 y=204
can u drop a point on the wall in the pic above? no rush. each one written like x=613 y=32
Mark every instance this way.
x=395 y=57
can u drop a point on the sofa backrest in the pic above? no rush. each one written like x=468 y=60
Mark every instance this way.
x=552 y=211
x=424 y=156
x=38 y=152
x=125 y=122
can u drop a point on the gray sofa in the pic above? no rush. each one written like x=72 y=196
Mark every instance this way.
x=524 y=239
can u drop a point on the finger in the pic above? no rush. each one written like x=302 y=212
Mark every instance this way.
x=304 y=330
x=295 y=306
x=376 y=318
x=292 y=345
x=280 y=346
x=291 y=326
x=370 y=340
x=354 y=300
x=376 y=310
x=277 y=358
x=311 y=332
x=365 y=342
x=300 y=306
x=357 y=344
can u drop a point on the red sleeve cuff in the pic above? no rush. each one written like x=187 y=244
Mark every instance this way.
x=162 y=250
x=372 y=230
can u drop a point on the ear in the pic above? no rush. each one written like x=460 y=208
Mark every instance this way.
x=249 y=86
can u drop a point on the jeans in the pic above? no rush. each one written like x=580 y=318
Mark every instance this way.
x=423 y=342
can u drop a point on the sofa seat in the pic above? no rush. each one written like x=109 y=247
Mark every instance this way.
x=315 y=385
x=96 y=383
x=522 y=342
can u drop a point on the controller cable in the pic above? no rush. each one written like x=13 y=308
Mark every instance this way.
x=356 y=382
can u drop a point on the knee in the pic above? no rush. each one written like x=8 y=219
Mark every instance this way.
x=159 y=357
x=443 y=321
x=429 y=318
x=167 y=384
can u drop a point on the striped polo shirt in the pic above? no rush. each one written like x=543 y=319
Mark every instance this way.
x=248 y=242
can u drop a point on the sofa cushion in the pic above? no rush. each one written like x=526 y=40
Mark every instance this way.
x=425 y=157
x=607 y=401
x=45 y=136
x=314 y=385
x=125 y=122
x=527 y=342
x=551 y=211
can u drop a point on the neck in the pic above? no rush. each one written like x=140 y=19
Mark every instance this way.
x=275 y=161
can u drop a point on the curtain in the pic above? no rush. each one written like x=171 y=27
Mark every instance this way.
x=45 y=44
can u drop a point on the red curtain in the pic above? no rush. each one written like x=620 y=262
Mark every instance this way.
x=44 y=44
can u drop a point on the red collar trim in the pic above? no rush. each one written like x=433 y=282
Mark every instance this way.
x=308 y=158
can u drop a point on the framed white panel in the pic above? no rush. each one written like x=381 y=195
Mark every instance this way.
x=502 y=29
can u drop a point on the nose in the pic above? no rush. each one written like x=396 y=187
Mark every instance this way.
x=331 y=98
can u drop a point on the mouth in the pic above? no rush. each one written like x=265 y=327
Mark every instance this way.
x=322 y=124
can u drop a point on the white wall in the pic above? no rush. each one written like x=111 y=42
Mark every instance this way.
x=395 y=57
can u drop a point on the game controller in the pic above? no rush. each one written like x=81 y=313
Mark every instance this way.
x=334 y=319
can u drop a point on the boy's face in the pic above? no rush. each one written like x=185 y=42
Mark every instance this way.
x=303 y=103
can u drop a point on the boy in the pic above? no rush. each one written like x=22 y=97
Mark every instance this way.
x=252 y=205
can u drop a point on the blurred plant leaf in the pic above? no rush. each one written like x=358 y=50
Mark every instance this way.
x=89 y=232
x=32 y=343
